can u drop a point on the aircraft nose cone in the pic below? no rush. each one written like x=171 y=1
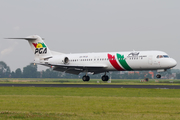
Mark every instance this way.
x=172 y=63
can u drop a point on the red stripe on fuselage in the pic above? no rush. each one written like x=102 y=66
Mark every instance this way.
x=114 y=63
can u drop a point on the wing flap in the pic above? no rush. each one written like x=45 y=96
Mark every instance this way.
x=78 y=69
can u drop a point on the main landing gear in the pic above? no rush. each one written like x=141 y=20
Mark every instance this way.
x=87 y=78
x=105 y=77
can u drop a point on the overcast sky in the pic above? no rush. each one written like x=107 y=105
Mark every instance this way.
x=76 y=26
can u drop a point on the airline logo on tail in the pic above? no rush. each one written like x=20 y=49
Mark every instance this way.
x=40 y=48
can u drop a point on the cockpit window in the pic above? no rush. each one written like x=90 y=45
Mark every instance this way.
x=162 y=56
x=159 y=56
x=165 y=56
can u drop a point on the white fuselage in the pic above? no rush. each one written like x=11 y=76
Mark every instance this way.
x=121 y=61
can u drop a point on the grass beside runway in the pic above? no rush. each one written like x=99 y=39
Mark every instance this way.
x=92 y=81
x=89 y=103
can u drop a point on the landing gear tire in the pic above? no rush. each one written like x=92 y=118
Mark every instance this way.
x=105 y=78
x=85 y=78
x=158 y=76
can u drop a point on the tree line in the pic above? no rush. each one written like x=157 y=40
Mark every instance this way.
x=30 y=71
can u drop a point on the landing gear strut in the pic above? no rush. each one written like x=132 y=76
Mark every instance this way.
x=85 y=78
x=158 y=76
x=105 y=77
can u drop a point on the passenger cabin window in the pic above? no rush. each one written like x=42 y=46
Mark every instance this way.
x=162 y=56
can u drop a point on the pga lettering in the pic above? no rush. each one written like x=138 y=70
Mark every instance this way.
x=40 y=50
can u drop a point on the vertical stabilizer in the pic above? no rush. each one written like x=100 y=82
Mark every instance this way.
x=39 y=47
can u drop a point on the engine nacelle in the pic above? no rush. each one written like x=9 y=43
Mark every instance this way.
x=66 y=60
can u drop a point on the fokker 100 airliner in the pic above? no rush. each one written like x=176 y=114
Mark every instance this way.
x=95 y=63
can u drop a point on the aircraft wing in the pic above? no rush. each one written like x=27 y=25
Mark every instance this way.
x=94 y=69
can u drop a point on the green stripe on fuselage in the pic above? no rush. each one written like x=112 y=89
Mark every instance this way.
x=123 y=62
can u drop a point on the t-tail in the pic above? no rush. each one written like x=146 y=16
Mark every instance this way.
x=40 y=49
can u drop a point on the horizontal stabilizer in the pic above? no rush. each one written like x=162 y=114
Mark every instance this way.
x=23 y=38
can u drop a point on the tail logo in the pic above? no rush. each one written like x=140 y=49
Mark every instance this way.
x=40 y=48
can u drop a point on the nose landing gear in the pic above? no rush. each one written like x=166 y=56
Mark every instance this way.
x=158 y=76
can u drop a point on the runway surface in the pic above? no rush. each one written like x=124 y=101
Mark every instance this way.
x=92 y=86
